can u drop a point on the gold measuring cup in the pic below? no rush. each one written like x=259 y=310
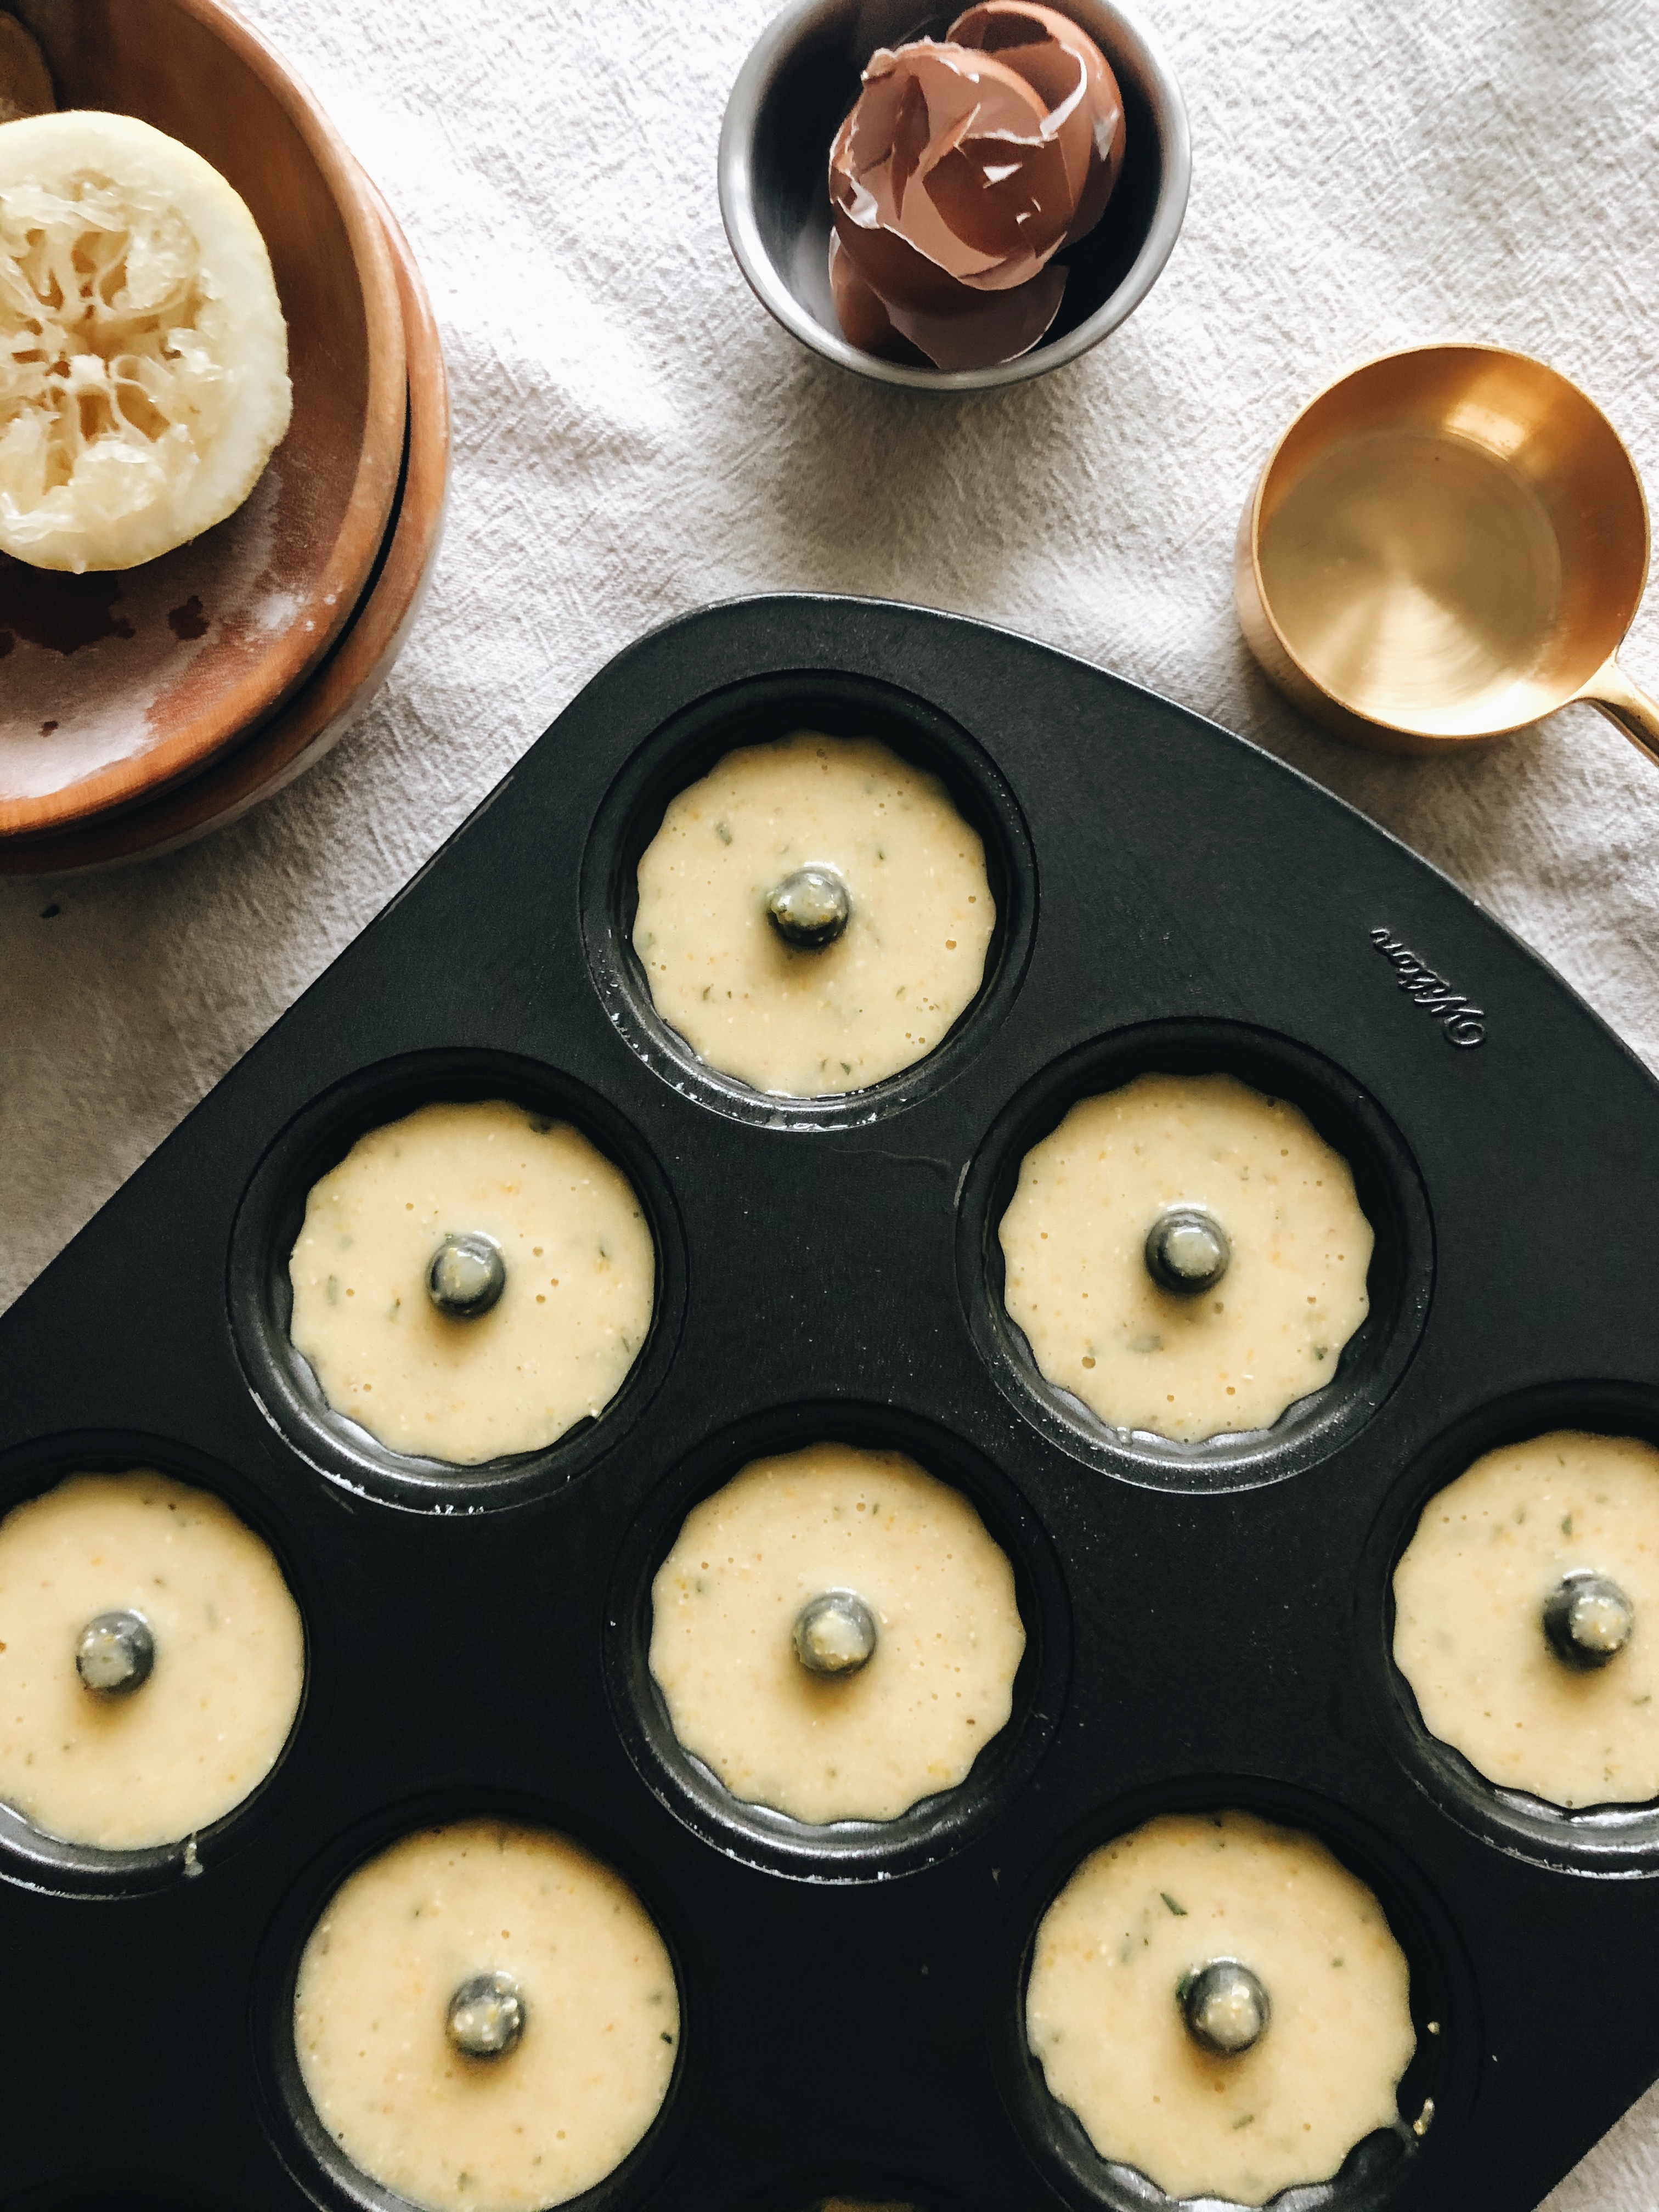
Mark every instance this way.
x=1446 y=545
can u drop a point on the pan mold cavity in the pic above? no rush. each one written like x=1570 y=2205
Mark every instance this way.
x=466 y=1275
x=559 y=1950
x=110 y=1665
x=1620 y=1836
x=1387 y=1188
x=757 y=712
x=1383 y=2171
x=851 y=1849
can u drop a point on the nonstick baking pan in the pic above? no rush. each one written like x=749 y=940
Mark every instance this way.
x=1207 y=1626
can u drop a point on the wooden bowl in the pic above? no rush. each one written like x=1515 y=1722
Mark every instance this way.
x=120 y=684
x=318 y=715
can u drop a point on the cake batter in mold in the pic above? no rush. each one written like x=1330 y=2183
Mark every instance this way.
x=486 y=2018
x=836 y=1634
x=471 y=1281
x=1525 y=1610
x=151 y=1660
x=814 y=914
x=1186 y=1256
x=1223 y=2005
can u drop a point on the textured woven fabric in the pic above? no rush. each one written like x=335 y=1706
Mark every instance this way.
x=634 y=436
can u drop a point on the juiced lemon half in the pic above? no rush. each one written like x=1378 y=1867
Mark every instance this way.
x=143 y=356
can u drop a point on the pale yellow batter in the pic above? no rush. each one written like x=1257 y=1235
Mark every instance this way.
x=808 y=1024
x=539 y=2122
x=861 y=1745
x=1073 y=1239
x=1104 y=2017
x=178 y=1752
x=1468 y=1600
x=580 y=1279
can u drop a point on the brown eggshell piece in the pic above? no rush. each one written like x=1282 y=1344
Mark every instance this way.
x=1001 y=208
x=947 y=153
x=1049 y=50
x=863 y=318
x=988 y=327
x=894 y=269
x=26 y=86
x=950 y=324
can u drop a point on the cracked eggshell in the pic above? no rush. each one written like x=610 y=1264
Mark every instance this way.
x=945 y=174
x=859 y=309
x=973 y=329
x=1062 y=63
x=989 y=327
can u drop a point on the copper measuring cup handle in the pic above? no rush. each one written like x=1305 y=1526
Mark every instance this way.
x=1626 y=706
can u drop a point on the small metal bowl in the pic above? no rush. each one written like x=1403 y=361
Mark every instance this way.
x=788 y=104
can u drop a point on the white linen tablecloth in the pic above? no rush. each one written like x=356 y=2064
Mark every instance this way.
x=634 y=436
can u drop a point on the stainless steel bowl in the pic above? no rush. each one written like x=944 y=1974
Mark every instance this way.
x=789 y=103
